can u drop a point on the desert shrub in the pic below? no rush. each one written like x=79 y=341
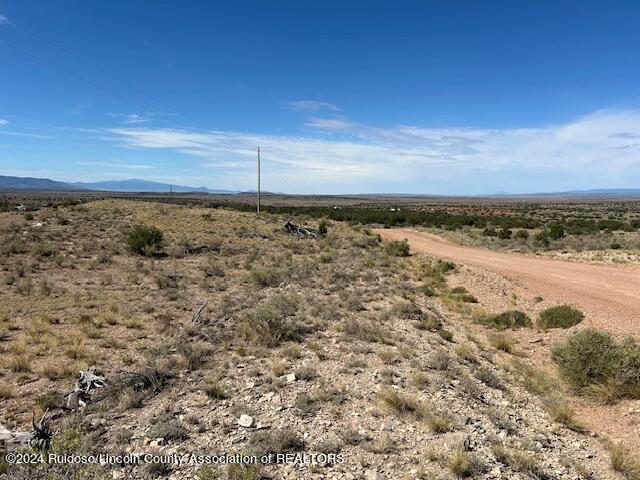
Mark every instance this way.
x=615 y=246
x=168 y=427
x=510 y=319
x=366 y=330
x=592 y=360
x=274 y=322
x=504 y=233
x=265 y=277
x=461 y=294
x=407 y=310
x=445 y=334
x=502 y=342
x=461 y=463
x=323 y=227
x=521 y=235
x=284 y=440
x=590 y=356
x=556 y=231
x=486 y=376
x=560 y=316
x=402 y=404
x=542 y=238
x=144 y=240
x=624 y=460
x=562 y=412
x=397 y=248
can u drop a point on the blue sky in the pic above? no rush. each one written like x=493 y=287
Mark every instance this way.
x=443 y=97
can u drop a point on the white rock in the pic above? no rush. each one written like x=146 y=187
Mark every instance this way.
x=245 y=421
x=373 y=475
x=291 y=377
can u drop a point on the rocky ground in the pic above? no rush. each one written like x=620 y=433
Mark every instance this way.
x=354 y=361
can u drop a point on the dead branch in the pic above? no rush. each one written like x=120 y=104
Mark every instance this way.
x=38 y=437
x=197 y=317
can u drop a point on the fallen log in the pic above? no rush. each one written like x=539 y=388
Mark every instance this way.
x=38 y=437
x=301 y=231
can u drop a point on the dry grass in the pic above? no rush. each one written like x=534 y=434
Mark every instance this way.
x=624 y=460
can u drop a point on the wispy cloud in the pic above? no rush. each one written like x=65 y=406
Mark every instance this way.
x=25 y=134
x=4 y=20
x=311 y=106
x=598 y=146
x=331 y=124
x=128 y=166
x=140 y=118
x=4 y=122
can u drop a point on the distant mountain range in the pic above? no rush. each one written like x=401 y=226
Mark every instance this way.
x=137 y=185
x=131 y=185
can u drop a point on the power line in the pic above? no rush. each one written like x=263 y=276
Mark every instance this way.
x=3 y=41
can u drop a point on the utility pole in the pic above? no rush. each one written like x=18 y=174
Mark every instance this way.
x=258 y=180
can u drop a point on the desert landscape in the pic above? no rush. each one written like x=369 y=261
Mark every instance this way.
x=215 y=331
x=319 y=240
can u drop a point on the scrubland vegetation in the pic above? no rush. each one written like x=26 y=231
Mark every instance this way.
x=343 y=344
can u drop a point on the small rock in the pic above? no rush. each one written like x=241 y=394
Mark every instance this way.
x=158 y=442
x=373 y=475
x=245 y=421
x=291 y=377
x=261 y=425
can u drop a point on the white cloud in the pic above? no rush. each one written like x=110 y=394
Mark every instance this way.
x=128 y=166
x=601 y=148
x=4 y=20
x=311 y=106
x=4 y=122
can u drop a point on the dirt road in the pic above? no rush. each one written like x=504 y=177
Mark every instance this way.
x=609 y=295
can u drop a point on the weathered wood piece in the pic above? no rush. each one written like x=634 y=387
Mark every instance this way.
x=87 y=381
x=38 y=437
x=301 y=231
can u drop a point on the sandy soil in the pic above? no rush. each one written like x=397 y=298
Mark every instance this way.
x=609 y=295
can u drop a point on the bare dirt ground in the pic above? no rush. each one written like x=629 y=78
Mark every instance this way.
x=608 y=295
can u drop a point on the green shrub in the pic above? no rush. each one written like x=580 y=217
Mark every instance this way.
x=144 y=240
x=556 y=231
x=521 y=234
x=445 y=334
x=323 y=227
x=542 y=238
x=504 y=233
x=265 y=277
x=510 y=319
x=168 y=427
x=592 y=360
x=560 y=316
x=397 y=248
x=274 y=322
